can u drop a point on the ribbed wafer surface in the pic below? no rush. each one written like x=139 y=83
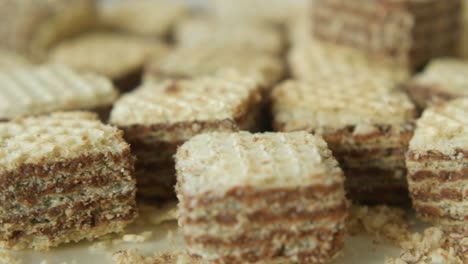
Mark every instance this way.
x=96 y=52
x=443 y=128
x=337 y=103
x=201 y=99
x=54 y=138
x=43 y=89
x=220 y=161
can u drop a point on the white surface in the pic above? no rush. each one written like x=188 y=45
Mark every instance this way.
x=358 y=249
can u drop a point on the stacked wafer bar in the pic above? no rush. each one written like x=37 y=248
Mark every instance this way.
x=38 y=90
x=407 y=32
x=64 y=177
x=437 y=163
x=96 y=52
x=367 y=124
x=442 y=80
x=158 y=117
x=246 y=198
x=31 y=27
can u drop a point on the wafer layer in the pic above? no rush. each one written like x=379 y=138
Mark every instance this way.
x=438 y=165
x=402 y=31
x=257 y=204
x=65 y=177
x=44 y=89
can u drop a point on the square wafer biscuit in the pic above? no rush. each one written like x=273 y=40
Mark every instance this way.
x=31 y=27
x=200 y=60
x=160 y=116
x=442 y=80
x=309 y=58
x=408 y=32
x=366 y=122
x=264 y=197
x=437 y=163
x=209 y=31
x=64 y=177
x=45 y=89
x=144 y=17
x=96 y=52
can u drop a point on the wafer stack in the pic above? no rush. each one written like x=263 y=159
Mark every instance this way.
x=406 y=32
x=437 y=162
x=96 y=52
x=442 y=80
x=44 y=89
x=158 y=117
x=31 y=27
x=64 y=177
x=246 y=198
x=367 y=124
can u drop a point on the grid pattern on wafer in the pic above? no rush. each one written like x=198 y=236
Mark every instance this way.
x=96 y=52
x=443 y=128
x=334 y=103
x=226 y=160
x=54 y=138
x=201 y=99
x=43 y=89
x=447 y=75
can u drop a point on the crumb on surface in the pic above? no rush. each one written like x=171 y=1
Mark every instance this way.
x=432 y=246
x=137 y=238
x=383 y=222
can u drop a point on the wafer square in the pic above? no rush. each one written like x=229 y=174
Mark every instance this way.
x=265 y=197
x=437 y=163
x=44 y=89
x=245 y=36
x=367 y=123
x=442 y=80
x=64 y=177
x=31 y=27
x=200 y=60
x=159 y=116
x=408 y=32
x=96 y=52
x=144 y=17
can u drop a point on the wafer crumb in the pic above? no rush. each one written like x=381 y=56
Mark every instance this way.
x=8 y=258
x=383 y=222
x=433 y=246
x=100 y=245
x=134 y=238
x=155 y=216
